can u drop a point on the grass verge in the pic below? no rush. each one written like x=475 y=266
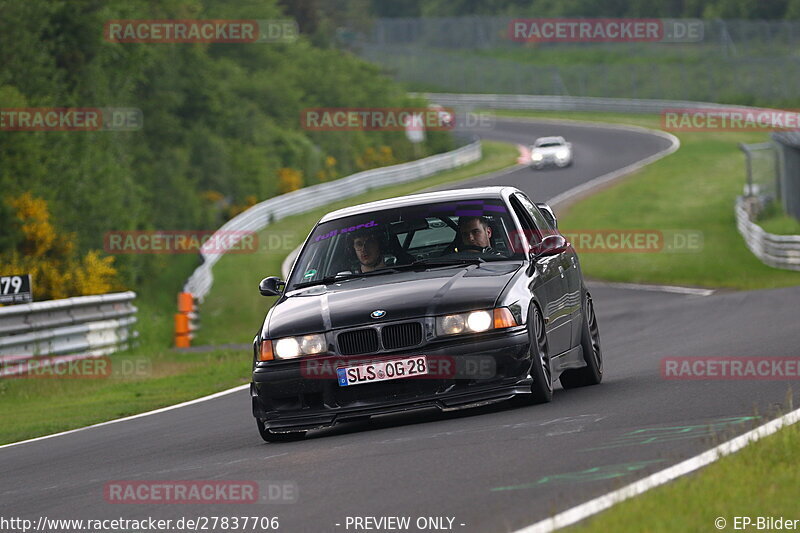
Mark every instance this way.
x=693 y=189
x=39 y=406
x=773 y=220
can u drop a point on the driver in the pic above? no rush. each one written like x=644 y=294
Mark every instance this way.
x=475 y=234
x=368 y=248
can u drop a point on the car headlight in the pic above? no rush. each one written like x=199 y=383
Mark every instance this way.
x=475 y=321
x=292 y=347
x=562 y=153
x=536 y=156
x=450 y=324
x=479 y=321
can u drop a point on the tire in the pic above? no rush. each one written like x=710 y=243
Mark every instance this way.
x=269 y=436
x=592 y=373
x=542 y=374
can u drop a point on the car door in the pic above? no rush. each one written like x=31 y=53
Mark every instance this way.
x=553 y=286
x=570 y=270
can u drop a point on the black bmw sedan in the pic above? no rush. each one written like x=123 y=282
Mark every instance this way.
x=448 y=299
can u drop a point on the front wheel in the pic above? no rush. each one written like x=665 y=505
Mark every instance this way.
x=592 y=373
x=269 y=436
x=542 y=387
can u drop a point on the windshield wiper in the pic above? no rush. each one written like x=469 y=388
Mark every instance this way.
x=428 y=263
x=343 y=277
x=421 y=263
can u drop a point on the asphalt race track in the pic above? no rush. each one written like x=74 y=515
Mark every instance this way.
x=491 y=469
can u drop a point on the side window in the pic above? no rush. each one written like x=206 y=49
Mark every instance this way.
x=537 y=216
x=531 y=232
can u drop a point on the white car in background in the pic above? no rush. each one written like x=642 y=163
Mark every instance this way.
x=551 y=151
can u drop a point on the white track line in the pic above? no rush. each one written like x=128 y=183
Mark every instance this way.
x=592 y=507
x=656 y=288
x=140 y=415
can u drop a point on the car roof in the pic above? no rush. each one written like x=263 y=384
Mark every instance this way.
x=550 y=139
x=499 y=193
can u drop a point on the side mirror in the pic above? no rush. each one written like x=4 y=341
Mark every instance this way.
x=550 y=245
x=272 y=286
x=548 y=213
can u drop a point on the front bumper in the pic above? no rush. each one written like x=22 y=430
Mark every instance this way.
x=551 y=161
x=288 y=397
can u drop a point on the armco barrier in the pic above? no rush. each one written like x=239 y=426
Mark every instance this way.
x=566 y=103
x=779 y=251
x=85 y=326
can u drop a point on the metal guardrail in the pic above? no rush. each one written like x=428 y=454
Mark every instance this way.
x=568 y=103
x=261 y=215
x=84 y=325
x=742 y=38
x=779 y=251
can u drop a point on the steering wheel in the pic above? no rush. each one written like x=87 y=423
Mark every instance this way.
x=471 y=248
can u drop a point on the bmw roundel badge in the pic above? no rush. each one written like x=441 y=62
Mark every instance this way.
x=378 y=313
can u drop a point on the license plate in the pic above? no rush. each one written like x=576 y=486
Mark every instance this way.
x=382 y=371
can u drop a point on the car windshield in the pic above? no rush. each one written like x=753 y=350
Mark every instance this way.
x=406 y=238
x=548 y=144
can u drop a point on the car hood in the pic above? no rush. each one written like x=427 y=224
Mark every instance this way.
x=402 y=295
x=549 y=150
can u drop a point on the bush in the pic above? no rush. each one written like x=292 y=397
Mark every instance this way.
x=49 y=257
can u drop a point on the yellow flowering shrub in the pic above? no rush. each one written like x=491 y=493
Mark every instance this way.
x=50 y=259
x=329 y=170
x=289 y=179
x=34 y=222
x=94 y=274
x=372 y=158
x=212 y=197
